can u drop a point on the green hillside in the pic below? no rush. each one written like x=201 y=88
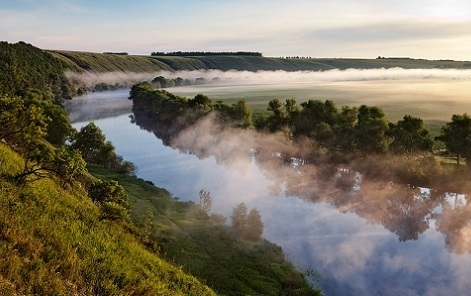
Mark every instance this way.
x=98 y=62
x=54 y=241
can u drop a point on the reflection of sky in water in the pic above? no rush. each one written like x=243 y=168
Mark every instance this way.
x=353 y=256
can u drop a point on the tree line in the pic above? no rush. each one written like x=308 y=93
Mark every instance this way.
x=162 y=82
x=207 y=53
x=176 y=112
x=362 y=130
x=326 y=132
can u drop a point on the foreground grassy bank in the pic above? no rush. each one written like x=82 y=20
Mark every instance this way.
x=205 y=246
x=54 y=241
x=98 y=62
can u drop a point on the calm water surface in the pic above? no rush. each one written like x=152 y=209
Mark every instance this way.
x=404 y=242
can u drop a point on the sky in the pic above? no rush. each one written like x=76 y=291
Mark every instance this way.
x=429 y=29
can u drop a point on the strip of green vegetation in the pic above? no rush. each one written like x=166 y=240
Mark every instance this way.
x=54 y=241
x=205 y=246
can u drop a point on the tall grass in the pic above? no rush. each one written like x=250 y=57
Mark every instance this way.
x=54 y=242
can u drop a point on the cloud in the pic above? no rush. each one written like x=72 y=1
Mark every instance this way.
x=399 y=30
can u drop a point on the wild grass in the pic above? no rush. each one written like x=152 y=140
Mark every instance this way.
x=54 y=242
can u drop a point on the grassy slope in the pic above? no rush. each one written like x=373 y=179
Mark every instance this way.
x=210 y=251
x=97 y=62
x=53 y=242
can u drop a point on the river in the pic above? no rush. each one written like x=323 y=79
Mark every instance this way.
x=407 y=241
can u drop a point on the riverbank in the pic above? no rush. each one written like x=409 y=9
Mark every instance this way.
x=205 y=246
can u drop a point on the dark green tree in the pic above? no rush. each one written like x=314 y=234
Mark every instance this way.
x=89 y=140
x=43 y=160
x=409 y=136
x=275 y=120
x=242 y=114
x=370 y=130
x=344 y=130
x=200 y=102
x=112 y=199
x=457 y=137
x=21 y=124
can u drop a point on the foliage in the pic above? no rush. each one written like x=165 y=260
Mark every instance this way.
x=24 y=127
x=160 y=107
x=112 y=199
x=248 y=226
x=53 y=241
x=409 y=136
x=457 y=136
x=91 y=142
x=205 y=201
x=370 y=130
x=24 y=67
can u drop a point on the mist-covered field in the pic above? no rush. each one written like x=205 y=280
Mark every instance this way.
x=431 y=94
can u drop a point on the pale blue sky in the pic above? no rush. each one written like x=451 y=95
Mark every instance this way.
x=336 y=28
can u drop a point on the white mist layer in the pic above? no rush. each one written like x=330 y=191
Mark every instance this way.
x=90 y=79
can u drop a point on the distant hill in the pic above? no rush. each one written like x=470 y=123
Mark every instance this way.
x=99 y=62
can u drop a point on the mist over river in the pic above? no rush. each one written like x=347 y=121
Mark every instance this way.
x=380 y=241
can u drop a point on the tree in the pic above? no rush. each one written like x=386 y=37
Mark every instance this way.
x=42 y=160
x=200 y=102
x=254 y=229
x=276 y=120
x=205 y=201
x=344 y=130
x=20 y=124
x=249 y=226
x=409 y=136
x=242 y=114
x=370 y=130
x=457 y=136
x=89 y=140
x=239 y=218
x=112 y=199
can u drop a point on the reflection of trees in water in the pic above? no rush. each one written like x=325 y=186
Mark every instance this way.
x=407 y=213
x=405 y=210
x=454 y=221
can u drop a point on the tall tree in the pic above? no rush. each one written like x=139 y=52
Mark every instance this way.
x=239 y=218
x=457 y=136
x=275 y=120
x=409 y=136
x=370 y=130
x=89 y=140
x=254 y=229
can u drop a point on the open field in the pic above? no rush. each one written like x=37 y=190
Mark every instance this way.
x=430 y=99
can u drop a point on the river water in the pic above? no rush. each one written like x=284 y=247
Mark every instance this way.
x=384 y=241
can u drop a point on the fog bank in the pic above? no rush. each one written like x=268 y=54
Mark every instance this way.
x=90 y=79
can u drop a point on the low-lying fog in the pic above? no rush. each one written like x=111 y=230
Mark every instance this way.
x=432 y=94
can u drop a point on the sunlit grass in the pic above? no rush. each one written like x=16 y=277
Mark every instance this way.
x=53 y=241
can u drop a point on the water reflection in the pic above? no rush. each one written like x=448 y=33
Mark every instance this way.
x=98 y=105
x=406 y=211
